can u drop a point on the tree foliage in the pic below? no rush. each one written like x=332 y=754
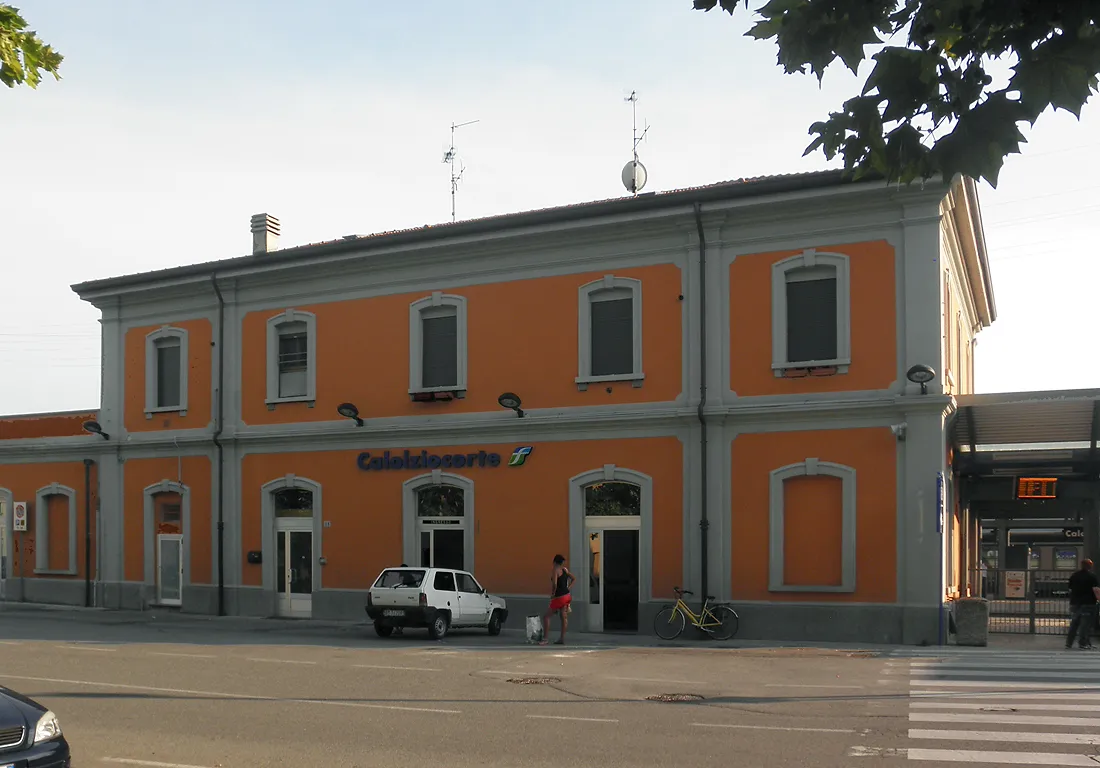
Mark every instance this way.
x=23 y=55
x=929 y=105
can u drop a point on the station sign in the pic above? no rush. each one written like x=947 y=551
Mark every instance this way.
x=1073 y=533
x=427 y=460
x=1036 y=488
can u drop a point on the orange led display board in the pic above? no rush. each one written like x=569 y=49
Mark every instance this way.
x=1036 y=487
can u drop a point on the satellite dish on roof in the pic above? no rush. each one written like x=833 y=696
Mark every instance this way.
x=634 y=176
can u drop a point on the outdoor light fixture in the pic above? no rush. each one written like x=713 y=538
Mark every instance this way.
x=511 y=401
x=921 y=374
x=95 y=429
x=349 y=411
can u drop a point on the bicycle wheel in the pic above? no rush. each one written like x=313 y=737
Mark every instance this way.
x=730 y=622
x=669 y=623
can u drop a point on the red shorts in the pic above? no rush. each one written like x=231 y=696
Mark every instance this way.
x=559 y=603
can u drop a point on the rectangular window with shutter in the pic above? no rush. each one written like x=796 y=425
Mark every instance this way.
x=612 y=333
x=168 y=372
x=293 y=359
x=439 y=347
x=812 y=315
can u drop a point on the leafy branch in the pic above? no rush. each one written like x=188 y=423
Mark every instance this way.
x=936 y=79
x=23 y=55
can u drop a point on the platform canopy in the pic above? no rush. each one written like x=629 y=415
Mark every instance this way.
x=1055 y=432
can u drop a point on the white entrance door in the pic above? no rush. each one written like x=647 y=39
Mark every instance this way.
x=612 y=572
x=170 y=569
x=294 y=567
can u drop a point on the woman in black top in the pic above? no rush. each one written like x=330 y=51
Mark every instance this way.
x=560 y=582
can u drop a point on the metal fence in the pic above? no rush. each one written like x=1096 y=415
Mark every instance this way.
x=1025 y=601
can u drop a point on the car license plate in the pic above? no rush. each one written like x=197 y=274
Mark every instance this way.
x=384 y=613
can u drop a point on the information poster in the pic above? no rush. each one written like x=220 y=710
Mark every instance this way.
x=1015 y=582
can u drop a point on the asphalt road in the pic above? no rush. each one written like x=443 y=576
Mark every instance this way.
x=170 y=692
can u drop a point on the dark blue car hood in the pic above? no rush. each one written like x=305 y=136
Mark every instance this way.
x=16 y=709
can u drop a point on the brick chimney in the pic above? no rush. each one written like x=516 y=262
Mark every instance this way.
x=265 y=234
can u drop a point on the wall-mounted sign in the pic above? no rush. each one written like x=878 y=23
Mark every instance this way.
x=1036 y=487
x=1073 y=533
x=428 y=460
x=19 y=516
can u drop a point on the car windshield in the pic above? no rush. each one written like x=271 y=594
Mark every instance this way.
x=401 y=577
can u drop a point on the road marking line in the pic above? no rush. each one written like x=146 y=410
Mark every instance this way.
x=981 y=664
x=520 y=673
x=220 y=694
x=1003 y=695
x=183 y=655
x=1012 y=758
x=1007 y=706
x=1053 y=684
x=1005 y=736
x=75 y=647
x=279 y=661
x=578 y=719
x=404 y=669
x=971 y=673
x=772 y=727
x=801 y=685
x=654 y=680
x=150 y=763
x=9 y=642
x=970 y=717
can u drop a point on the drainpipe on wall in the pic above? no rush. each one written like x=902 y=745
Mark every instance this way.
x=704 y=522
x=219 y=423
x=88 y=532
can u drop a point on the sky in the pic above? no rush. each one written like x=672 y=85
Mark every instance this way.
x=175 y=122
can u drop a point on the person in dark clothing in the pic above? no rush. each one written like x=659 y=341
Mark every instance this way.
x=1084 y=591
x=560 y=598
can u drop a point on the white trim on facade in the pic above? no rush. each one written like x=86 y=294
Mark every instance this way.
x=438 y=304
x=607 y=287
x=274 y=323
x=811 y=260
x=149 y=514
x=409 y=520
x=42 y=562
x=151 y=377
x=578 y=547
x=776 y=531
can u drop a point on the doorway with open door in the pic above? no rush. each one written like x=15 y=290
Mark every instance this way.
x=294 y=552
x=168 y=544
x=612 y=522
x=442 y=527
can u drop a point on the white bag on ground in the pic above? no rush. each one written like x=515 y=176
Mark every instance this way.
x=534 y=629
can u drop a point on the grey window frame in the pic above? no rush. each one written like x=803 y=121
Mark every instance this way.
x=275 y=324
x=437 y=304
x=811 y=261
x=776 y=522
x=609 y=286
x=152 y=345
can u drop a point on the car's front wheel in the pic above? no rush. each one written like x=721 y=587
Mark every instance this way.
x=439 y=626
x=383 y=630
x=494 y=623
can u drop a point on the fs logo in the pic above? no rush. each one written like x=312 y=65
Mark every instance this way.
x=519 y=456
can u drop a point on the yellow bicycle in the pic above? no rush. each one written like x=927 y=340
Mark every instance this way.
x=721 y=621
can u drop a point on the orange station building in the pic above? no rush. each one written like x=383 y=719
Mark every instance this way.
x=717 y=388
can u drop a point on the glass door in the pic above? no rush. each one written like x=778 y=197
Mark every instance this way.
x=595 y=581
x=620 y=581
x=294 y=563
x=170 y=569
x=442 y=544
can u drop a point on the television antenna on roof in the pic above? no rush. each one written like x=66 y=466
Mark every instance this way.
x=634 y=173
x=451 y=157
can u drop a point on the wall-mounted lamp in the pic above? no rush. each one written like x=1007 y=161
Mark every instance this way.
x=349 y=411
x=899 y=431
x=511 y=401
x=95 y=429
x=921 y=374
